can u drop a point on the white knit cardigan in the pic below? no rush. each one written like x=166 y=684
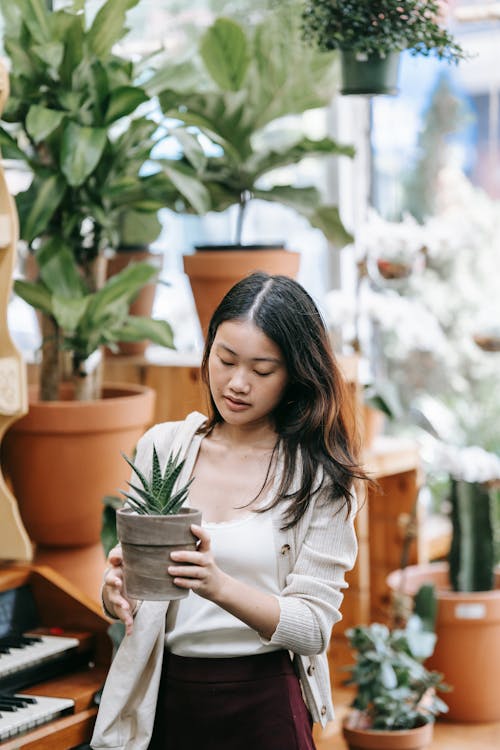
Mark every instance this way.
x=313 y=558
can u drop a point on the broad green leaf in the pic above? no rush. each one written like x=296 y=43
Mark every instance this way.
x=9 y=146
x=139 y=228
x=71 y=30
x=42 y=121
x=225 y=54
x=81 y=149
x=51 y=53
x=68 y=312
x=123 y=101
x=190 y=187
x=108 y=26
x=191 y=147
x=327 y=219
x=58 y=269
x=137 y=328
x=21 y=61
x=122 y=287
x=36 y=17
x=388 y=676
x=35 y=294
x=37 y=205
x=262 y=162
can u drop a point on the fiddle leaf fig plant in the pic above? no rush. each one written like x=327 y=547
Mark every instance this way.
x=79 y=120
x=238 y=91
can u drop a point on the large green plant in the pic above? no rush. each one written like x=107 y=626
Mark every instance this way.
x=74 y=118
x=238 y=91
x=379 y=28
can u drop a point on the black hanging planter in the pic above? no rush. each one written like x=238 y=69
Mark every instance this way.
x=373 y=75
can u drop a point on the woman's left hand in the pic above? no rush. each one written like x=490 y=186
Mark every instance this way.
x=201 y=574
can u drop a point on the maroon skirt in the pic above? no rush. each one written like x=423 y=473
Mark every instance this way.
x=243 y=703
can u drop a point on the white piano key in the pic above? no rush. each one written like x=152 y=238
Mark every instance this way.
x=21 y=658
x=13 y=723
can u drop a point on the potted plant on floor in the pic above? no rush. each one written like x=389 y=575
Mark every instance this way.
x=371 y=36
x=152 y=524
x=467 y=586
x=72 y=120
x=395 y=704
x=241 y=88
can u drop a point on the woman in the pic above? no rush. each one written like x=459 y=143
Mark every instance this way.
x=243 y=658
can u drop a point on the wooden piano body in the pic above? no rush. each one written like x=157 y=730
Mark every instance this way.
x=62 y=607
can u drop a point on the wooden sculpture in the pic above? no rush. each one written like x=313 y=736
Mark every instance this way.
x=14 y=541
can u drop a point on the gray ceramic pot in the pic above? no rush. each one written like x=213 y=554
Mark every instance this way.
x=147 y=542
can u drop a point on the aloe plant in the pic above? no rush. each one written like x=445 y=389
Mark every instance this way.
x=156 y=496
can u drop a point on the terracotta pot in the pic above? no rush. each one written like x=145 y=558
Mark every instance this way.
x=143 y=303
x=64 y=456
x=373 y=425
x=468 y=641
x=147 y=542
x=212 y=273
x=379 y=739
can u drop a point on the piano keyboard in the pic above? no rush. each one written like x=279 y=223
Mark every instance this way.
x=20 y=713
x=27 y=651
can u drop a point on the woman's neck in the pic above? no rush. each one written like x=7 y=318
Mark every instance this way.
x=252 y=437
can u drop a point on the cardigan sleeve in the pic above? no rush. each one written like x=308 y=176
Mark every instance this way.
x=310 y=601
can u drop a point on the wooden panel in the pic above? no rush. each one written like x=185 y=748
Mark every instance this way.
x=14 y=541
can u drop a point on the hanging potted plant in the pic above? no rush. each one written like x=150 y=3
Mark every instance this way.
x=241 y=89
x=371 y=36
x=153 y=523
x=467 y=586
x=395 y=702
x=72 y=120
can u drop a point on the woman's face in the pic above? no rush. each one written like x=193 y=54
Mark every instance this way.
x=247 y=373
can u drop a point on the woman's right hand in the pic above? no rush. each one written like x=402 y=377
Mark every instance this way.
x=113 y=591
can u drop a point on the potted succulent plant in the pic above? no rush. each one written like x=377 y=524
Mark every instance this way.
x=72 y=119
x=370 y=37
x=395 y=702
x=467 y=586
x=152 y=524
x=240 y=90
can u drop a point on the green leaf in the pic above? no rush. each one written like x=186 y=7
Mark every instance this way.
x=191 y=147
x=108 y=26
x=68 y=312
x=35 y=294
x=189 y=186
x=122 y=287
x=327 y=219
x=36 y=17
x=81 y=149
x=51 y=53
x=224 y=50
x=58 y=269
x=37 y=204
x=42 y=121
x=9 y=145
x=138 y=328
x=123 y=101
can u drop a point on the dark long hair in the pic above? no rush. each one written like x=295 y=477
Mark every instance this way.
x=315 y=413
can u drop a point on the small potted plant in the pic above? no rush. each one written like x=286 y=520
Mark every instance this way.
x=370 y=37
x=152 y=524
x=467 y=586
x=395 y=703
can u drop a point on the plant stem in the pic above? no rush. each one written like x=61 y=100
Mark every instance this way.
x=241 y=214
x=49 y=369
